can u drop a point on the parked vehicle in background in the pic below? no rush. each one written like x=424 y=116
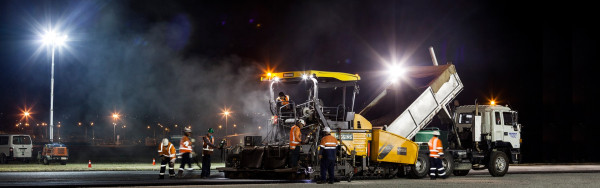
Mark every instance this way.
x=53 y=153
x=15 y=147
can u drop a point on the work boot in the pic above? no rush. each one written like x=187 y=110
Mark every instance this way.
x=180 y=174
x=432 y=177
x=330 y=182
x=320 y=182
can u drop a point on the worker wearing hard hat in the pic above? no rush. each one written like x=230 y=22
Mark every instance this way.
x=185 y=149
x=166 y=150
x=283 y=99
x=295 y=139
x=436 y=153
x=327 y=155
x=207 y=151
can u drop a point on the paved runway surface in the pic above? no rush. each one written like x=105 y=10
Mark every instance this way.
x=528 y=176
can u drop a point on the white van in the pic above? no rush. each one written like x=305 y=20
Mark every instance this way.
x=15 y=147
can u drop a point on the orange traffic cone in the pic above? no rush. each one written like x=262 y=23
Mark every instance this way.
x=90 y=164
x=153 y=162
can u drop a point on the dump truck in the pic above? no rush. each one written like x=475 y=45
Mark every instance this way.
x=374 y=143
x=480 y=137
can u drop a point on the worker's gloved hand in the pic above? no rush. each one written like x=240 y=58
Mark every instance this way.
x=320 y=156
x=172 y=160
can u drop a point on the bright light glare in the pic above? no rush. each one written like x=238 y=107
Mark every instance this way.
x=268 y=74
x=493 y=102
x=304 y=77
x=52 y=38
x=395 y=72
x=276 y=79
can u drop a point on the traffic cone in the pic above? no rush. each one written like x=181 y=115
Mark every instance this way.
x=153 y=162
x=90 y=164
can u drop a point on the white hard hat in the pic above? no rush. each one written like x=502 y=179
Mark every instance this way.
x=327 y=129
x=301 y=121
x=436 y=133
x=165 y=141
x=187 y=130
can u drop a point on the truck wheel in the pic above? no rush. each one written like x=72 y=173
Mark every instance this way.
x=448 y=164
x=63 y=162
x=420 y=168
x=460 y=172
x=498 y=165
x=46 y=162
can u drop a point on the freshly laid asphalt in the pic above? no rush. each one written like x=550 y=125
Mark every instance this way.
x=150 y=178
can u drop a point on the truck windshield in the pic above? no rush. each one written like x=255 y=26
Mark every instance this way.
x=508 y=119
x=21 y=140
x=465 y=118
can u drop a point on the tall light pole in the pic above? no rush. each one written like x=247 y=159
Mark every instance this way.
x=226 y=113
x=54 y=40
x=115 y=117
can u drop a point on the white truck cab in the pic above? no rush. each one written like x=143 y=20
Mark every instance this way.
x=15 y=147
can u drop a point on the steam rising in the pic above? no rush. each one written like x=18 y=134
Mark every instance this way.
x=141 y=74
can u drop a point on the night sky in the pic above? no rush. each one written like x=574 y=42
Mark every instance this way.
x=183 y=61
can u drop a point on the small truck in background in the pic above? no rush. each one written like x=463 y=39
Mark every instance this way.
x=54 y=152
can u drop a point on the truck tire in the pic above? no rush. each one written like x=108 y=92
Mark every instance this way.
x=63 y=162
x=460 y=172
x=420 y=168
x=46 y=162
x=448 y=164
x=498 y=165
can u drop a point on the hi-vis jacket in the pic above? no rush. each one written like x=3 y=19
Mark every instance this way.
x=168 y=150
x=435 y=147
x=284 y=101
x=328 y=145
x=209 y=145
x=295 y=136
x=185 y=146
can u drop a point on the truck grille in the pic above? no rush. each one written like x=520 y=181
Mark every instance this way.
x=61 y=151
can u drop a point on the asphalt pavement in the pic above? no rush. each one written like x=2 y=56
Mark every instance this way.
x=542 y=173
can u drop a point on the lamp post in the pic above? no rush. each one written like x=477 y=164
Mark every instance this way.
x=115 y=117
x=226 y=113
x=53 y=39
x=93 y=135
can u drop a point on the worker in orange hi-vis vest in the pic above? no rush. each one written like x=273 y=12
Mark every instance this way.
x=166 y=150
x=327 y=154
x=185 y=149
x=436 y=153
x=207 y=150
x=295 y=140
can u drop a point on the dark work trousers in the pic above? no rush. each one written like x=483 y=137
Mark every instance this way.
x=205 y=166
x=436 y=166
x=163 y=166
x=294 y=155
x=185 y=159
x=327 y=166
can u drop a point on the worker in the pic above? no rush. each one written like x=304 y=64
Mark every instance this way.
x=436 y=153
x=327 y=155
x=283 y=99
x=207 y=150
x=166 y=150
x=185 y=150
x=295 y=139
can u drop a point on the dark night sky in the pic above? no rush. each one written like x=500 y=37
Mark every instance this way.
x=182 y=61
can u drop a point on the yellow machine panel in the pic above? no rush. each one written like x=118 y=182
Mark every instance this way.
x=389 y=147
x=361 y=122
x=358 y=142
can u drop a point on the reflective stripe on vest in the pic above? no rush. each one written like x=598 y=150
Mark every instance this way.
x=206 y=146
